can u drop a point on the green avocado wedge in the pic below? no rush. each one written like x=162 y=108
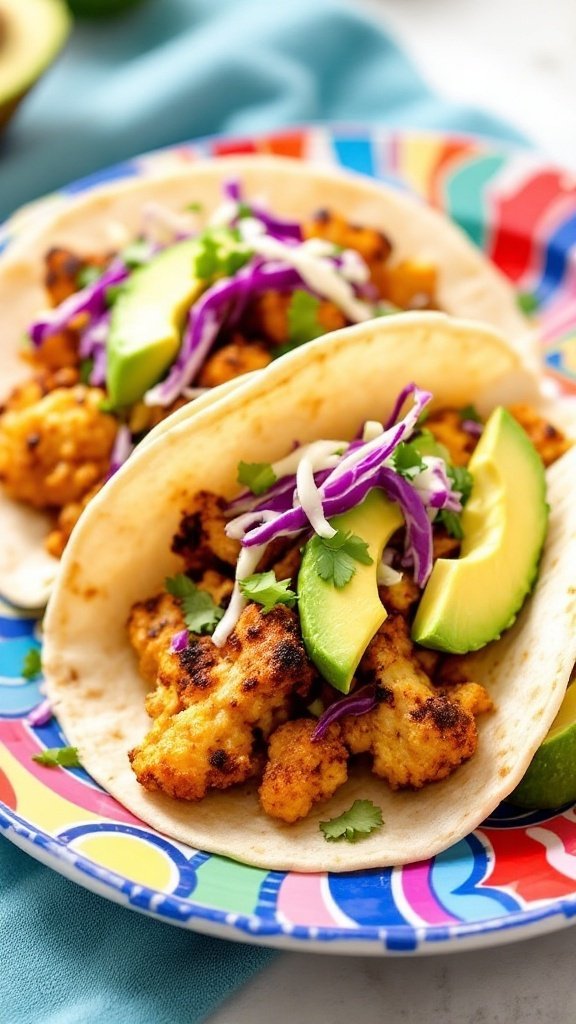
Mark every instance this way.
x=338 y=623
x=147 y=322
x=550 y=780
x=471 y=600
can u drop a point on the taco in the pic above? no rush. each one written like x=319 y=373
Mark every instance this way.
x=164 y=288
x=236 y=760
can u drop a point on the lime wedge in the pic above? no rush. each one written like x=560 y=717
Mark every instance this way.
x=551 y=777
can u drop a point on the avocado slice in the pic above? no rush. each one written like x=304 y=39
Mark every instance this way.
x=31 y=34
x=338 y=623
x=147 y=322
x=470 y=600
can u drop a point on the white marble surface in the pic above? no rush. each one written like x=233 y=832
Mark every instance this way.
x=516 y=58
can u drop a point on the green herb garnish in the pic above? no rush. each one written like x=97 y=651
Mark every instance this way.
x=86 y=366
x=527 y=303
x=201 y=613
x=407 y=459
x=335 y=556
x=113 y=292
x=451 y=523
x=258 y=477
x=66 y=757
x=470 y=412
x=462 y=481
x=88 y=275
x=32 y=664
x=194 y=207
x=303 y=322
x=359 y=821
x=221 y=253
x=266 y=590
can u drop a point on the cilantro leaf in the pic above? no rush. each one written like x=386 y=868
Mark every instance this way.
x=527 y=302
x=32 y=664
x=303 y=322
x=201 y=614
x=113 y=292
x=194 y=207
x=85 y=370
x=407 y=459
x=88 y=275
x=66 y=757
x=357 y=822
x=470 y=412
x=265 y=589
x=258 y=477
x=221 y=252
x=451 y=523
x=335 y=556
x=462 y=480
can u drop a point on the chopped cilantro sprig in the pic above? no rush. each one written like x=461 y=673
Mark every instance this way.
x=65 y=757
x=362 y=818
x=303 y=322
x=258 y=477
x=201 y=613
x=335 y=556
x=263 y=588
x=32 y=664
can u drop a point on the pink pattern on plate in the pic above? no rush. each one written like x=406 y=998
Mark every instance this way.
x=301 y=900
x=19 y=741
x=417 y=888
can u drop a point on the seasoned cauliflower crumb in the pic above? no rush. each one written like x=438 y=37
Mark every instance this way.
x=416 y=734
x=301 y=772
x=214 y=707
x=54 y=451
x=201 y=540
x=547 y=440
x=232 y=361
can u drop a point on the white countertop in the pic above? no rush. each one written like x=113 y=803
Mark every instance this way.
x=517 y=59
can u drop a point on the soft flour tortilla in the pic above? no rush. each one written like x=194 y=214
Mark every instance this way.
x=120 y=554
x=105 y=218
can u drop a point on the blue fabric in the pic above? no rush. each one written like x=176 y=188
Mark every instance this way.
x=172 y=70
x=177 y=69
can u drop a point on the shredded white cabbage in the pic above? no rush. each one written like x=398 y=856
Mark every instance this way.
x=248 y=560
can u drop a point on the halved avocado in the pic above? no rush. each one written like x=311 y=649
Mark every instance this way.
x=339 y=623
x=147 y=321
x=471 y=600
x=31 y=34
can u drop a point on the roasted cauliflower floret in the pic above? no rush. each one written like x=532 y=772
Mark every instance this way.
x=34 y=388
x=547 y=440
x=232 y=361
x=214 y=707
x=409 y=284
x=62 y=268
x=201 y=540
x=401 y=596
x=151 y=626
x=55 y=451
x=446 y=425
x=415 y=734
x=301 y=772
x=373 y=246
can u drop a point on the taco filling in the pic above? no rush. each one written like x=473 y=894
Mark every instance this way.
x=326 y=614
x=136 y=333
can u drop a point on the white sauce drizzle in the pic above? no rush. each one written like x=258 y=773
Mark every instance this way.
x=247 y=562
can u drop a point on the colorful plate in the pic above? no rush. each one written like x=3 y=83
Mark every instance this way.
x=516 y=875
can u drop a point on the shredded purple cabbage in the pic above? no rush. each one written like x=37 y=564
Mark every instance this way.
x=410 y=389
x=41 y=714
x=277 y=227
x=473 y=427
x=357 y=703
x=179 y=641
x=90 y=300
x=418 y=526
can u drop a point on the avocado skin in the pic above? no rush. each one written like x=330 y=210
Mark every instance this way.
x=470 y=601
x=338 y=623
x=147 y=322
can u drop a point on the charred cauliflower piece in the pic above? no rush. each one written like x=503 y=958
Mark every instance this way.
x=214 y=707
x=268 y=317
x=301 y=772
x=201 y=540
x=415 y=735
x=151 y=626
x=547 y=440
x=232 y=361
x=446 y=425
x=55 y=451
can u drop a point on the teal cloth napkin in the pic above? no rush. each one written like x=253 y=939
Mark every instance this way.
x=172 y=70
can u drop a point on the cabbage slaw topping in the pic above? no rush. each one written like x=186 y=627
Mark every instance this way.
x=327 y=478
